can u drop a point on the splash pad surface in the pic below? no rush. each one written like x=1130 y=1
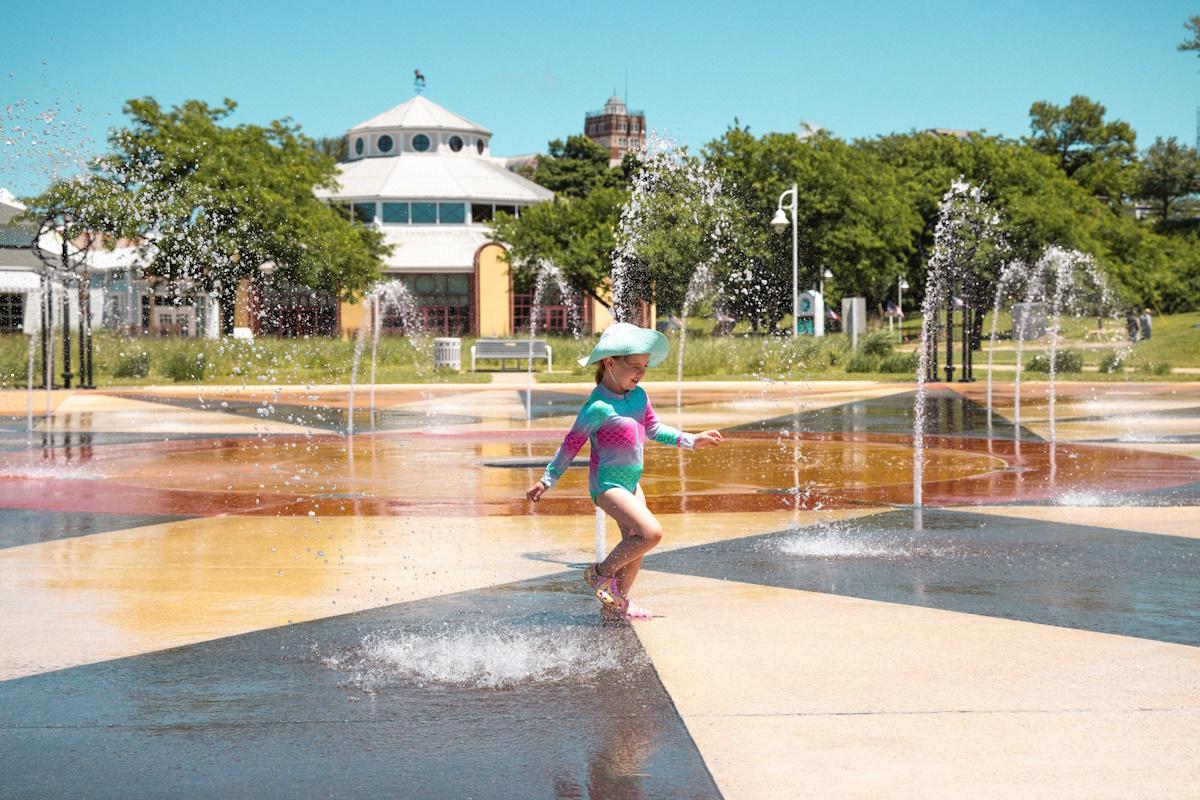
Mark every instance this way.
x=177 y=565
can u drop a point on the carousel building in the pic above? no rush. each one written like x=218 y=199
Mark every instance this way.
x=427 y=178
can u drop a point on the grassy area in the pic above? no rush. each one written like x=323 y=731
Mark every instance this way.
x=121 y=361
x=125 y=361
x=1175 y=343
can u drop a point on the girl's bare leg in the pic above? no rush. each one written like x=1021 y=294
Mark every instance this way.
x=628 y=573
x=640 y=532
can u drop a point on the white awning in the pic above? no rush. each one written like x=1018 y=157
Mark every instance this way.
x=19 y=281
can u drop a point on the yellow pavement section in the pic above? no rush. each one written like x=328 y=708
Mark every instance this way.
x=99 y=413
x=797 y=694
x=109 y=595
x=1165 y=520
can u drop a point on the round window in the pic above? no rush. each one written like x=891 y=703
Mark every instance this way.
x=358 y=147
x=479 y=146
x=456 y=143
x=384 y=143
x=420 y=143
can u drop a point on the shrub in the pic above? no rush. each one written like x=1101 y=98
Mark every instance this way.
x=1112 y=361
x=132 y=365
x=899 y=363
x=861 y=362
x=1156 y=368
x=183 y=366
x=1064 y=361
x=878 y=344
x=1068 y=361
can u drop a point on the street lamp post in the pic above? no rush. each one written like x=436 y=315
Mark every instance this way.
x=901 y=285
x=780 y=222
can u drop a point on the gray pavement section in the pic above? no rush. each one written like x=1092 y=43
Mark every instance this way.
x=1074 y=576
x=309 y=711
x=947 y=413
x=20 y=527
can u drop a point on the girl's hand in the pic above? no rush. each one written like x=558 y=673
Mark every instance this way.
x=535 y=492
x=708 y=439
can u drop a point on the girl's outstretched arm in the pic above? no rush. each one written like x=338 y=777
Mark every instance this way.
x=664 y=434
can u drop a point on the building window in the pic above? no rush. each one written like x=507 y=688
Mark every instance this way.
x=479 y=146
x=364 y=212
x=420 y=143
x=12 y=312
x=384 y=143
x=424 y=213
x=358 y=146
x=456 y=143
x=452 y=213
x=395 y=212
x=443 y=303
x=555 y=313
x=510 y=210
x=481 y=212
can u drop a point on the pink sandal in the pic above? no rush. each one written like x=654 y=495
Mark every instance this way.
x=606 y=589
x=632 y=612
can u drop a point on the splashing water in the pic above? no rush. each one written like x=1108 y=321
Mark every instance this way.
x=835 y=543
x=547 y=276
x=966 y=226
x=382 y=297
x=482 y=656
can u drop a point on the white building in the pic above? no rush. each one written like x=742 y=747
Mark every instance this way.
x=428 y=179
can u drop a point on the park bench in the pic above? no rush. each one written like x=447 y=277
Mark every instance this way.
x=516 y=349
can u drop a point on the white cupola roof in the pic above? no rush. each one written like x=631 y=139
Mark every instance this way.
x=420 y=113
x=615 y=105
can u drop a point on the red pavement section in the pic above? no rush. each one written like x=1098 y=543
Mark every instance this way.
x=1036 y=472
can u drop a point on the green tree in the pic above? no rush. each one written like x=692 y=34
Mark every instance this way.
x=336 y=147
x=853 y=218
x=573 y=233
x=1168 y=172
x=679 y=222
x=575 y=230
x=1096 y=153
x=1192 y=43
x=575 y=167
x=217 y=200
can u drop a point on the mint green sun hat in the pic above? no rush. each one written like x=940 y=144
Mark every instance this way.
x=623 y=339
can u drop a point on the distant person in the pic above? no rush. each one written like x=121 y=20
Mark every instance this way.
x=617 y=419
x=1144 y=322
x=1131 y=324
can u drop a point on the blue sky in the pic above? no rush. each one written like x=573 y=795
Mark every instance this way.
x=529 y=71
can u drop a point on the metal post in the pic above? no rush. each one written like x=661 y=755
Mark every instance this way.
x=85 y=331
x=900 y=307
x=795 y=263
x=47 y=370
x=965 y=377
x=66 y=313
x=950 y=336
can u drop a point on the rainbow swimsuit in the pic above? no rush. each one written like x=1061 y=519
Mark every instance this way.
x=617 y=425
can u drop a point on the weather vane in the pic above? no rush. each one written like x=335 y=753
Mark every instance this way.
x=418 y=81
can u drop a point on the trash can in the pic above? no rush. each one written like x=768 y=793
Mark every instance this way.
x=447 y=352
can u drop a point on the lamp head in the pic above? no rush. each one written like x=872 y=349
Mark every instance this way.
x=266 y=268
x=780 y=221
x=827 y=275
x=903 y=283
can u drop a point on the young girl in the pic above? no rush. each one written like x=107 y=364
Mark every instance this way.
x=617 y=419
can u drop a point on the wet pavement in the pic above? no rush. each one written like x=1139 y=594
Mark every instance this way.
x=218 y=594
